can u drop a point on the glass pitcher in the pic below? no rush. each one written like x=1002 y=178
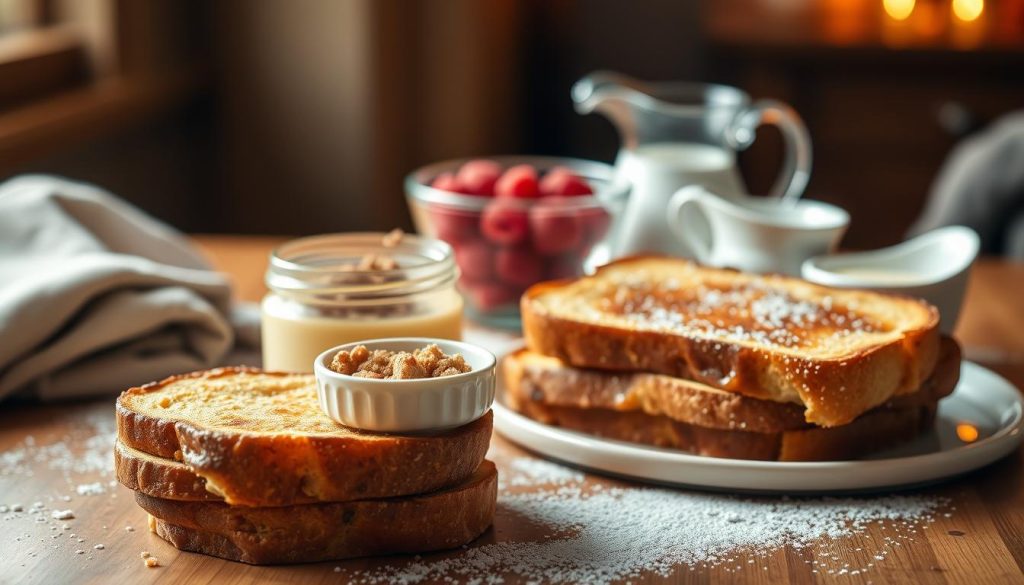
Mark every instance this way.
x=678 y=134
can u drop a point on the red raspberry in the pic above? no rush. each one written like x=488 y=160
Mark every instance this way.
x=447 y=182
x=488 y=296
x=561 y=181
x=504 y=222
x=478 y=177
x=476 y=261
x=518 y=181
x=518 y=266
x=554 y=227
x=453 y=225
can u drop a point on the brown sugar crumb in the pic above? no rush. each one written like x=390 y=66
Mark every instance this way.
x=381 y=364
x=346 y=362
x=378 y=262
x=372 y=262
x=393 y=238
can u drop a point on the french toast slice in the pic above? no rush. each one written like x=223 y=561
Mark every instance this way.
x=837 y=352
x=330 y=531
x=878 y=429
x=260 y=439
x=547 y=380
x=163 y=478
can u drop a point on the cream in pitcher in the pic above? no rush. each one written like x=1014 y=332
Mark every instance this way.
x=680 y=134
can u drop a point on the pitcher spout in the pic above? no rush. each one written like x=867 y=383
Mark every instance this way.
x=612 y=95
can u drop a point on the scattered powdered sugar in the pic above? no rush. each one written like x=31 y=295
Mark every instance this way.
x=526 y=471
x=606 y=534
x=82 y=458
x=755 y=310
x=93 y=456
x=90 y=489
x=62 y=514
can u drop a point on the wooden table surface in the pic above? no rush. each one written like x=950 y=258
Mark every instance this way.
x=979 y=538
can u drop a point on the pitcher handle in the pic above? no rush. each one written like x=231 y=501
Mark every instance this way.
x=678 y=213
x=796 y=166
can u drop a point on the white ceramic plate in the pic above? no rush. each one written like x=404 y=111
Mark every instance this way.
x=982 y=400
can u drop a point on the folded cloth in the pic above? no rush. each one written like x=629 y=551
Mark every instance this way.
x=981 y=186
x=96 y=296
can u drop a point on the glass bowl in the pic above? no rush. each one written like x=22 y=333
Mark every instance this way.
x=554 y=237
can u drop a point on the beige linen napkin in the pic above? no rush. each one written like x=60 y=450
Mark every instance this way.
x=96 y=296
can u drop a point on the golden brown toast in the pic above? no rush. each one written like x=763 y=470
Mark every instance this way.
x=330 y=531
x=163 y=478
x=547 y=380
x=260 y=439
x=878 y=429
x=837 y=352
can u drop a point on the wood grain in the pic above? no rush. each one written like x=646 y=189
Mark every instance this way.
x=978 y=539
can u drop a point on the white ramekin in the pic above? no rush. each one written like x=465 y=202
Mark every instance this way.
x=408 y=405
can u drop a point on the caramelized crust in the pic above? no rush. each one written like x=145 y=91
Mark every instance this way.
x=838 y=353
x=159 y=477
x=546 y=380
x=260 y=439
x=875 y=430
x=330 y=531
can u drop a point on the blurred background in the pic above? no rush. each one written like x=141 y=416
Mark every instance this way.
x=300 y=117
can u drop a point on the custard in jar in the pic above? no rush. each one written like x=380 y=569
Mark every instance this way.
x=334 y=289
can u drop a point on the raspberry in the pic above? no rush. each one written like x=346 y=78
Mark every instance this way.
x=504 y=223
x=478 y=177
x=447 y=182
x=518 y=181
x=475 y=260
x=518 y=266
x=453 y=225
x=554 y=229
x=561 y=181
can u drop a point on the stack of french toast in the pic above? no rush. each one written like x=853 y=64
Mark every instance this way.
x=721 y=363
x=244 y=465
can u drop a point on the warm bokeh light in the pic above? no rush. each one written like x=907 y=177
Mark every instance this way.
x=901 y=9
x=967 y=10
x=967 y=432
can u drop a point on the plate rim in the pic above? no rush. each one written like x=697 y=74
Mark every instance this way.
x=978 y=454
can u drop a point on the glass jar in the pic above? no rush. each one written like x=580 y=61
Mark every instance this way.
x=319 y=297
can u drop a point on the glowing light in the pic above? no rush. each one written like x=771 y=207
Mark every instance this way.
x=901 y=9
x=968 y=10
x=968 y=433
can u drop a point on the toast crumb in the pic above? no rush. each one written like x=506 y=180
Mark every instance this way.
x=152 y=562
x=381 y=364
x=144 y=554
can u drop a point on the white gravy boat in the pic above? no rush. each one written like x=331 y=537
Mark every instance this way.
x=933 y=266
x=755 y=234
